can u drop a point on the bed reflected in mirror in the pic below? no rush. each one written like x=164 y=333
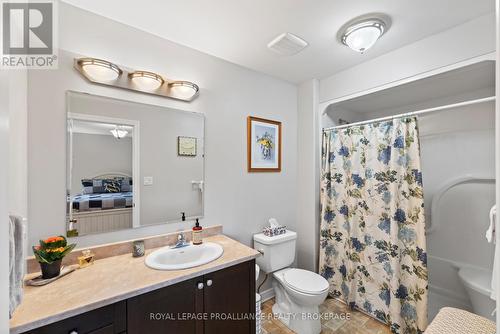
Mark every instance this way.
x=101 y=192
x=131 y=165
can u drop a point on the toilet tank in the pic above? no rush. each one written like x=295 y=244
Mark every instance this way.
x=278 y=252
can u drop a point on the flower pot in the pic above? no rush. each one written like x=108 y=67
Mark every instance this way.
x=50 y=270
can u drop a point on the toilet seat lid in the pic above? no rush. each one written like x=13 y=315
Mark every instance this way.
x=305 y=281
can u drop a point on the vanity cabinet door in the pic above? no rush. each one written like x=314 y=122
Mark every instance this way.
x=167 y=310
x=229 y=298
x=105 y=320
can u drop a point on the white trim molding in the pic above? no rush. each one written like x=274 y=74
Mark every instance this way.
x=136 y=159
x=266 y=295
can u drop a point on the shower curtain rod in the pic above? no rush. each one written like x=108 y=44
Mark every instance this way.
x=414 y=113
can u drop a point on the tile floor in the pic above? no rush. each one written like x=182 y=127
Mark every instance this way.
x=358 y=323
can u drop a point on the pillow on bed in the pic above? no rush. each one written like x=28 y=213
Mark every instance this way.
x=126 y=184
x=101 y=186
x=88 y=186
x=112 y=186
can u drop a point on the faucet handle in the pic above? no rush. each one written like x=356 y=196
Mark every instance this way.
x=181 y=241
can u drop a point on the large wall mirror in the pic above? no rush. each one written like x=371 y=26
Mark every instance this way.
x=131 y=165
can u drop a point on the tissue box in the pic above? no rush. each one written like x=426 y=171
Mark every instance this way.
x=272 y=231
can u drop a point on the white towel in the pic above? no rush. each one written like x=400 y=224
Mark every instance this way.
x=491 y=236
x=17 y=245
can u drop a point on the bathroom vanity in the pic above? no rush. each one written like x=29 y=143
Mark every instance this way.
x=120 y=294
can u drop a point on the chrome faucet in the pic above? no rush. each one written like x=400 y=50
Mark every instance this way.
x=181 y=242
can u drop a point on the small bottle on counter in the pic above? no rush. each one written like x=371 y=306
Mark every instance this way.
x=197 y=231
x=86 y=259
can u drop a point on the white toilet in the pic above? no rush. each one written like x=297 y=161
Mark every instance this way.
x=477 y=283
x=298 y=292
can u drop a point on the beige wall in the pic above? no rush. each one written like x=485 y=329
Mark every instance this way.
x=240 y=201
x=95 y=154
x=4 y=215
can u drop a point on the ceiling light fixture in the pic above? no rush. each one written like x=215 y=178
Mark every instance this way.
x=184 y=89
x=362 y=33
x=99 y=69
x=146 y=80
x=119 y=132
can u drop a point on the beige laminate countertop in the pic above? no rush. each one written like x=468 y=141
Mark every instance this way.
x=108 y=281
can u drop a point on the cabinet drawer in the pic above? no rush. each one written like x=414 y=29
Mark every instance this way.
x=110 y=319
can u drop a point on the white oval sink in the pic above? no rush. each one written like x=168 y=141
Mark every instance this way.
x=167 y=258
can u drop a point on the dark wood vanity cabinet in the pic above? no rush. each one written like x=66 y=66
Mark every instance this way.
x=216 y=303
x=109 y=319
x=231 y=294
x=159 y=311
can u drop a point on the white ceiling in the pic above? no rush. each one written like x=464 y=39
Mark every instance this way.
x=238 y=31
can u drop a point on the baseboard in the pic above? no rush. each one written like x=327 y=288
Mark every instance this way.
x=266 y=294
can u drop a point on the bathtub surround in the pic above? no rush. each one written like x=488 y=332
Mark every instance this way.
x=372 y=246
x=477 y=283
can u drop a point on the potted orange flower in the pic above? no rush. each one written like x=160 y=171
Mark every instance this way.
x=50 y=253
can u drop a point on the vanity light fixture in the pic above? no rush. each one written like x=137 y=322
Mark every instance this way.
x=363 y=32
x=184 y=89
x=99 y=69
x=146 y=80
x=119 y=132
x=103 y=72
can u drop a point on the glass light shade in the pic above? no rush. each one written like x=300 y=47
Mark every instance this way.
x=119 y=133
x=183 y=89
x=146 y=80
x=362 y=39
x=100 y=69
x=362 y=36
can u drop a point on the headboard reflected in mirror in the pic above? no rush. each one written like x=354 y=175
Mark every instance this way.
x=131 y=165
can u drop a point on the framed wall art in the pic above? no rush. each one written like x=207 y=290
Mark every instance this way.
x=263 y=145
x=186 y=146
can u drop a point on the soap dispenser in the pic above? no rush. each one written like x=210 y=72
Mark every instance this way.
x=197 y=230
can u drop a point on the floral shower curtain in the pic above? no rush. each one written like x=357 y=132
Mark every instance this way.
x=372 y=242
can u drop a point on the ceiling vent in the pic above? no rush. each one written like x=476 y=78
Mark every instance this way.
x=287 y=44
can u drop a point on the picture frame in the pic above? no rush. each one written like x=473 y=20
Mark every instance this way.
x=186 y=146
x=263 y=145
